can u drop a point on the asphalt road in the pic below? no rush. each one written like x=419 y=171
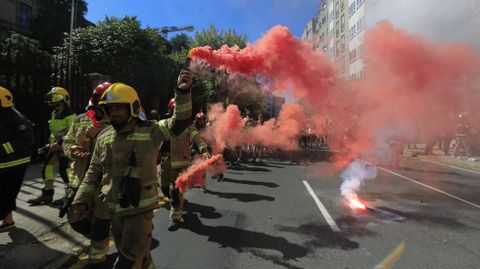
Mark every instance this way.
x=262 y=216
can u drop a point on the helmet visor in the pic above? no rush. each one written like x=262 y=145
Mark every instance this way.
x=53 y=98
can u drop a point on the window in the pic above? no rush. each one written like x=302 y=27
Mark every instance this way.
x=353 y=32
x=337 y=29
x=337 y=10
x=342 y=6
x=324 y=20
x=351 y=9
x=359 y=3
x=343 y=43
x=353 y=55
x=360 y=25
x=342 y=21
x=337 y=48
x=24 y=13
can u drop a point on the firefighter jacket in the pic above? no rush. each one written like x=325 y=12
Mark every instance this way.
x=178 y=148
x=16 y=139
x=111 y=159
x=59 y=125
x=74 y=139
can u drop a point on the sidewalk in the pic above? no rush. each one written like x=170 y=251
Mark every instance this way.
x=440 y=157
x=40 y=239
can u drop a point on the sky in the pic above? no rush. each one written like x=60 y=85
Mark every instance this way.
x=250 y=17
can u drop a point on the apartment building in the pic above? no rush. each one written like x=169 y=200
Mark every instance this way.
x=16 y=15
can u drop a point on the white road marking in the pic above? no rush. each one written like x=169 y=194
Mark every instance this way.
x=432 y=188
x=451 y=166
x=322 y=208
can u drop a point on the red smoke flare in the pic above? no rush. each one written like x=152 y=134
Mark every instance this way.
x=354 y=203
x=193 y=174
x=91 y=115
x=411 y=86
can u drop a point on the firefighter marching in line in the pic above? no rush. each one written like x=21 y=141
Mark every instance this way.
x=123 y=168
x=200 y=123
x=16 y=142
x=62 y=117
x=78 y=145
x=175 y=157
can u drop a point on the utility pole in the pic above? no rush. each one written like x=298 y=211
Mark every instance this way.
x=70 y=56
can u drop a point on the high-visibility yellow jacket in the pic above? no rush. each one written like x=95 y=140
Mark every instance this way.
x=59 y=125
x=110 y=160
x=16 y=140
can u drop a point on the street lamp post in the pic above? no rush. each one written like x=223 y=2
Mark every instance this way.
x=70 y=56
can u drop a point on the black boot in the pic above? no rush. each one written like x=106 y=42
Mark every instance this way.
x=45 y=198
x=59 y=201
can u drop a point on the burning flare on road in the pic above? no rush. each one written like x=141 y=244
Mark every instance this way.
x=354 y=203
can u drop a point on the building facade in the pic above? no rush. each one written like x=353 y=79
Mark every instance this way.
x=16 y=16
x=328 y=31
x=273 y=104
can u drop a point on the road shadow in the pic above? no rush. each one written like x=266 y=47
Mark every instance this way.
x=208 y=212
x=354 y=225
x=302 y=156
x=431 y=218
x=321 y=236
x=113 y=255
x=264 y=164
x=241 y=167
x=25 y=250
x=242 y=240
x=241 y=197
x=251 y=182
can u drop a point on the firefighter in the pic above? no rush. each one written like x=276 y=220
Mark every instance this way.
x=175 y=157
x=16 y=142
x=123 y=168
x=62 y=117
x=463 y=133
x=200 y=123
x=78 y=145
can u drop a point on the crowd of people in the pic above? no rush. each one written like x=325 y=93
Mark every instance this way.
x=107 y=158
x=118 y=166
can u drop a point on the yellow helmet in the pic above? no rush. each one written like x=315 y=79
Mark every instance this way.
x=58 y=94
x=120 y=93
x=6 y=98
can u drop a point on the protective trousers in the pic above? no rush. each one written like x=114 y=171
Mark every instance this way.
x=133 y=236
x=48 y=173
x=167 y=182
x=100 y=233
x=10 y=183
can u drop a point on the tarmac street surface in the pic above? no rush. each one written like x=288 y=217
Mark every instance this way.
x=284 y=214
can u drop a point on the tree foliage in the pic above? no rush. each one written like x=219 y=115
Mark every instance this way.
x=51 y=20
x=181 y=42
x=121 y=49
x=215 y=39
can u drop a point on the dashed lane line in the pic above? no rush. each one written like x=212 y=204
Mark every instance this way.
x=322 y=208
x=432 y=188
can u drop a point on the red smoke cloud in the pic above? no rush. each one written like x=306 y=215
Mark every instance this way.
x=227 y=128
x=194 y=174
x=411 y=86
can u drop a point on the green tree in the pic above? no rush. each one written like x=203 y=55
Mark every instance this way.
x=181 y=42
x=215 y=39
x=51 y=20
x=121 y=49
